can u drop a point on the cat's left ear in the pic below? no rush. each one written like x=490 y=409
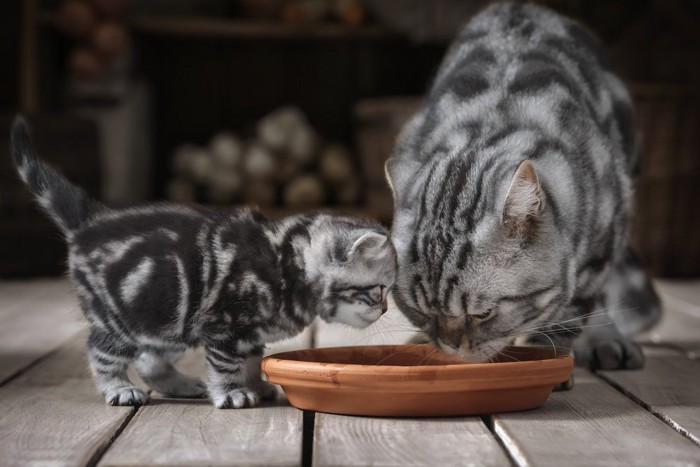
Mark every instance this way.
x=524 y=200
x=369 y=245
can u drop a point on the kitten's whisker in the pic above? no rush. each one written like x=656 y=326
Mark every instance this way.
x=428 y=355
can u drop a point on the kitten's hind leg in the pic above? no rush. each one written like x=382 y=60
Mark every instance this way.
x=234 y=377
x=109 y=360
x=156 y=369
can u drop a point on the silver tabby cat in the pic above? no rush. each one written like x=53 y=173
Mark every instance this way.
x=512 y=191
x=157 y=279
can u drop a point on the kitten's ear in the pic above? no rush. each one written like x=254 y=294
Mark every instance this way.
x=524 y=200
x=369 y=245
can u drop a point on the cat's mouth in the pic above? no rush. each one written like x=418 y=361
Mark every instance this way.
x=481 y=353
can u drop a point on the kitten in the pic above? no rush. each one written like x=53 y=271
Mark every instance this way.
x=512 y=190
x=157 y=279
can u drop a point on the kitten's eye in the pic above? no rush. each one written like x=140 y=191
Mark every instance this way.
x=485 y=316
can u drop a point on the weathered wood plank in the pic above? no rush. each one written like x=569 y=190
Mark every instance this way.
x=53 y=415
x=668 y=385
x=592 y=424
x=189 y=432
x=36 y=317
x=16 y=291
x=361 y=441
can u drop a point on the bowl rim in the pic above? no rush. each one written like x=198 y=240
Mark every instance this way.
x=282 y=370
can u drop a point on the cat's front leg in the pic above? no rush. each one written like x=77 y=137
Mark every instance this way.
x=603 y=347
x=234 y=377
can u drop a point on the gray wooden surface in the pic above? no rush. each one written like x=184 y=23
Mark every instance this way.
x=183 y=432
x=669 y=386
x=35 y=317
x=50 y=413
x=358 y=441
x=592 y=425
x=193 y=432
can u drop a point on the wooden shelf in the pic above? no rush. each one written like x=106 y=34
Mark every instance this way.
x=210 y=27
x=228 y=28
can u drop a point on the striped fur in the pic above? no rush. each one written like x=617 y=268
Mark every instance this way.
x=512 y=190
x=157 y=279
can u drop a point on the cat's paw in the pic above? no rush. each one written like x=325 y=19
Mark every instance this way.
x=609 y=354
x=189 y=388
x=130 y=396
x=266 y=390
x=237 y=398
x=567 y=385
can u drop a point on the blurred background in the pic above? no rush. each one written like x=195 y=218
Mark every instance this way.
x=295 y=105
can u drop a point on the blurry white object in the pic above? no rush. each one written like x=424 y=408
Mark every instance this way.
x=226 y=149
x=200 y=165
x=302 y=142
x=259 y=162
x=287 y=130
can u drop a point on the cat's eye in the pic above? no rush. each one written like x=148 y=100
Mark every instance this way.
x=481 y=317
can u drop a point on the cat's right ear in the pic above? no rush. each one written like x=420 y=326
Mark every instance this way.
x=524 y=200
x=399 y=174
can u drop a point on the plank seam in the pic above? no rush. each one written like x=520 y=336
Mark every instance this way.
x=689 y=354
x=307 y=438
x=668 y=421
x=104 y=447
x=508 y=446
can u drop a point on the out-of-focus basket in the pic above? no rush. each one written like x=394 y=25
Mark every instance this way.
x=666 y=223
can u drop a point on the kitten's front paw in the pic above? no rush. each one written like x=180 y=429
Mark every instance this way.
x=237 y=399
x=610 y=354
x=130 y=396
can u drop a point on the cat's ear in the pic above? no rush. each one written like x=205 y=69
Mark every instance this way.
x=369 y=245
x=524 y=200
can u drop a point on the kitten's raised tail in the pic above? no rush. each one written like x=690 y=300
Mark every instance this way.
x=69 y=206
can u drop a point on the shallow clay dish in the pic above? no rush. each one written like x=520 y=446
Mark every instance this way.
x=414 y=380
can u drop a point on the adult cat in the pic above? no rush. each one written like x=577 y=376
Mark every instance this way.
x=156 y=279
x=512 y=189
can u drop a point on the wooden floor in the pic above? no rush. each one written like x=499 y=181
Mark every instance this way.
x=50 y=413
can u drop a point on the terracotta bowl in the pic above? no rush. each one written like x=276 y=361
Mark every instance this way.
x=415 y=380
